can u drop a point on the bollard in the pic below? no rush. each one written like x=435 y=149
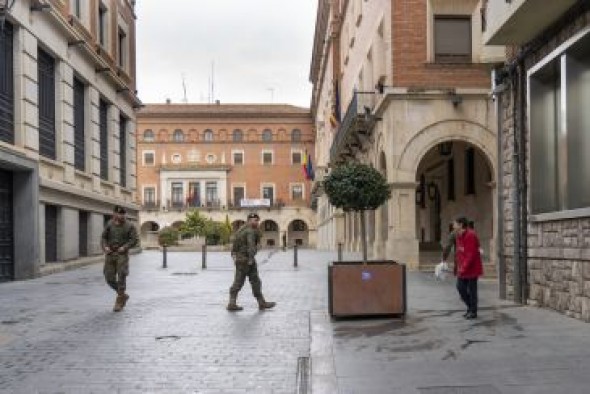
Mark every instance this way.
x=340 y=251
x=295 y=255
x=164 y=257
x=204 y=257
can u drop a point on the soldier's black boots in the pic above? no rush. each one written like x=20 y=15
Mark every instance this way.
x=232 y=306
x=262 y=304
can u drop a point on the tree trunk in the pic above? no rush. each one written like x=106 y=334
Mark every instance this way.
x=364 y=236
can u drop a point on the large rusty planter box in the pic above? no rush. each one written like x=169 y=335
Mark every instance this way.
x=375 y=288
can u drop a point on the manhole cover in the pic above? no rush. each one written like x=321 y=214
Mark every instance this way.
x=485 y=389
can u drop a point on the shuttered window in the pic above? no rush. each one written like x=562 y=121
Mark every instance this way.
x=452 y=39
x=123 y=150
x=46 y=74
x=79 y=123
x=6 y=85
x=104 y=142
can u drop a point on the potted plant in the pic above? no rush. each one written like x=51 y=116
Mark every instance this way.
x=358 y=288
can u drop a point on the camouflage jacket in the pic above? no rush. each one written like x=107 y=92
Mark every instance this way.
x=245 y=245
x=115 y=236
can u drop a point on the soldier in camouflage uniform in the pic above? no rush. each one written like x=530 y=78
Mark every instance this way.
x=244 y=248
x=117 y=238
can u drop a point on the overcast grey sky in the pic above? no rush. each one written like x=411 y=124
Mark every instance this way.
x=256 y=45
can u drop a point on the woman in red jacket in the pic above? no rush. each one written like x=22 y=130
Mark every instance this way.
x=470 y=267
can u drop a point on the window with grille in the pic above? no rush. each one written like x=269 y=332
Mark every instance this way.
x=296 y=135
x=178 y=136
x=267 y=158
x=208 y=135
x=297 y=192
x=46 y=86
x=103 y=109
x=238 y=135
x=238 y=158
x=177 y=194
x=452 y=39
x=296 y=157
x=79 y=125
x=123 y=151
x=6 y=84
x=267 y=136
x=148 y=158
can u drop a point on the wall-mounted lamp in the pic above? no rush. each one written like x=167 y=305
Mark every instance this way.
x=40 y=7
x=456 y=99
x=76 y=43
x=5 y=6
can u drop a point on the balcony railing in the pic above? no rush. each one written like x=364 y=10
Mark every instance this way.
x=276 y=204
x=357 y=121
x=150 y=206
x=195 y=204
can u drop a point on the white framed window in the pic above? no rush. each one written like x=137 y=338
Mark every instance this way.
x=559 y=121
x=122 y=48
x=211 y=158
x=103 y=25
x=296 y=156
x=237 y=157
x=149 y=158
x=148 y=135
x=149 y=195
x=297 y=191
x=176 y=158
x=267 y=191
x=238 y=193
x=452 y=39
x=208 y=135
x=267 y=157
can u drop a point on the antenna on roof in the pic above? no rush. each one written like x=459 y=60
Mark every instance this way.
x=185 y=98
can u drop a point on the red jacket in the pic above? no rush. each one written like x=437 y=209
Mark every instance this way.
x=467 y=256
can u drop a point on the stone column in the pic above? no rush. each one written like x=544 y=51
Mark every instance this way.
x=95 y=228
x=68 y=230
x=94 y=132
x=132 y=157
x=402 y=244
x=66 y=121
x=114 y=156
x=27 y=90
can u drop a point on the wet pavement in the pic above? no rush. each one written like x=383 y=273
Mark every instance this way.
x=58 y=335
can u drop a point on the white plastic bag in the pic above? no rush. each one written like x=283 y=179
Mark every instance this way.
x=440 y=270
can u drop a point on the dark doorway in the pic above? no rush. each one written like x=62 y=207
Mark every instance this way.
x=50 y=233
x=6 y=227
x=83 y=233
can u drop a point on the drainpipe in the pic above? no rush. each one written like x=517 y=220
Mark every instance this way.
x=501 y=261
x=516 y=262
x=522 y=186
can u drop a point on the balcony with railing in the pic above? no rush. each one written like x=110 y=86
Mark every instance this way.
x=180 y=206
x=356 y=126
x=517 y=22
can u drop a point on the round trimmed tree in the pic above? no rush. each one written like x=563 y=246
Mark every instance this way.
x=356 y=187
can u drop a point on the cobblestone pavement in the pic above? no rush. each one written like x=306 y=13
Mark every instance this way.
x=509 y=349
x=59 y=335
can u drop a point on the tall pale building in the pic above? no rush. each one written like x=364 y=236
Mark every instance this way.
x=67 y=130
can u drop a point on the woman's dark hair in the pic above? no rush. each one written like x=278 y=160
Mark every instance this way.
x=451 y=228
x=463 y=222
x=471 y=224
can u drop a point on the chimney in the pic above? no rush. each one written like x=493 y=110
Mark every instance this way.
x=217 y=102
x=168 y=101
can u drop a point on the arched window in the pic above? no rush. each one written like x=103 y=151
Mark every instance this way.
x=296 y=135
x=267 y=135
x=238 y=135
x=148 y=135
x=178 y=136
x=208 y=136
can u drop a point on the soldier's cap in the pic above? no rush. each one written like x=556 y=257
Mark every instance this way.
x=253 y=216
x=120 y=210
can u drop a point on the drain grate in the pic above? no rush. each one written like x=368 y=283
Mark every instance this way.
x=303 y=372
x=483 y=389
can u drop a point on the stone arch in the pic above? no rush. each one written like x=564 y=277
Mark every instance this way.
x=270 y=233
x=447 y=130
x=149 y=233
x=298 y=232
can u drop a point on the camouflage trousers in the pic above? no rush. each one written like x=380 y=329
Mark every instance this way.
x=243 y=271
x=116 y=269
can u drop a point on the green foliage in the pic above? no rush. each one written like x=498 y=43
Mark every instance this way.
x=168 y=236
x=217 y=233
x=195 y=224
x=356 y=187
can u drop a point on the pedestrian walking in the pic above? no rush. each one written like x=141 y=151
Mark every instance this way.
x=469 y=265
x=244 y=249
x=117 y=238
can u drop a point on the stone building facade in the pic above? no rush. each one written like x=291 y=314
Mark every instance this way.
x=67 y=124
x=544 y=95
x=226 y=160
x=409 y=83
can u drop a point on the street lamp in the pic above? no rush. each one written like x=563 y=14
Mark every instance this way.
x=5 y=6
